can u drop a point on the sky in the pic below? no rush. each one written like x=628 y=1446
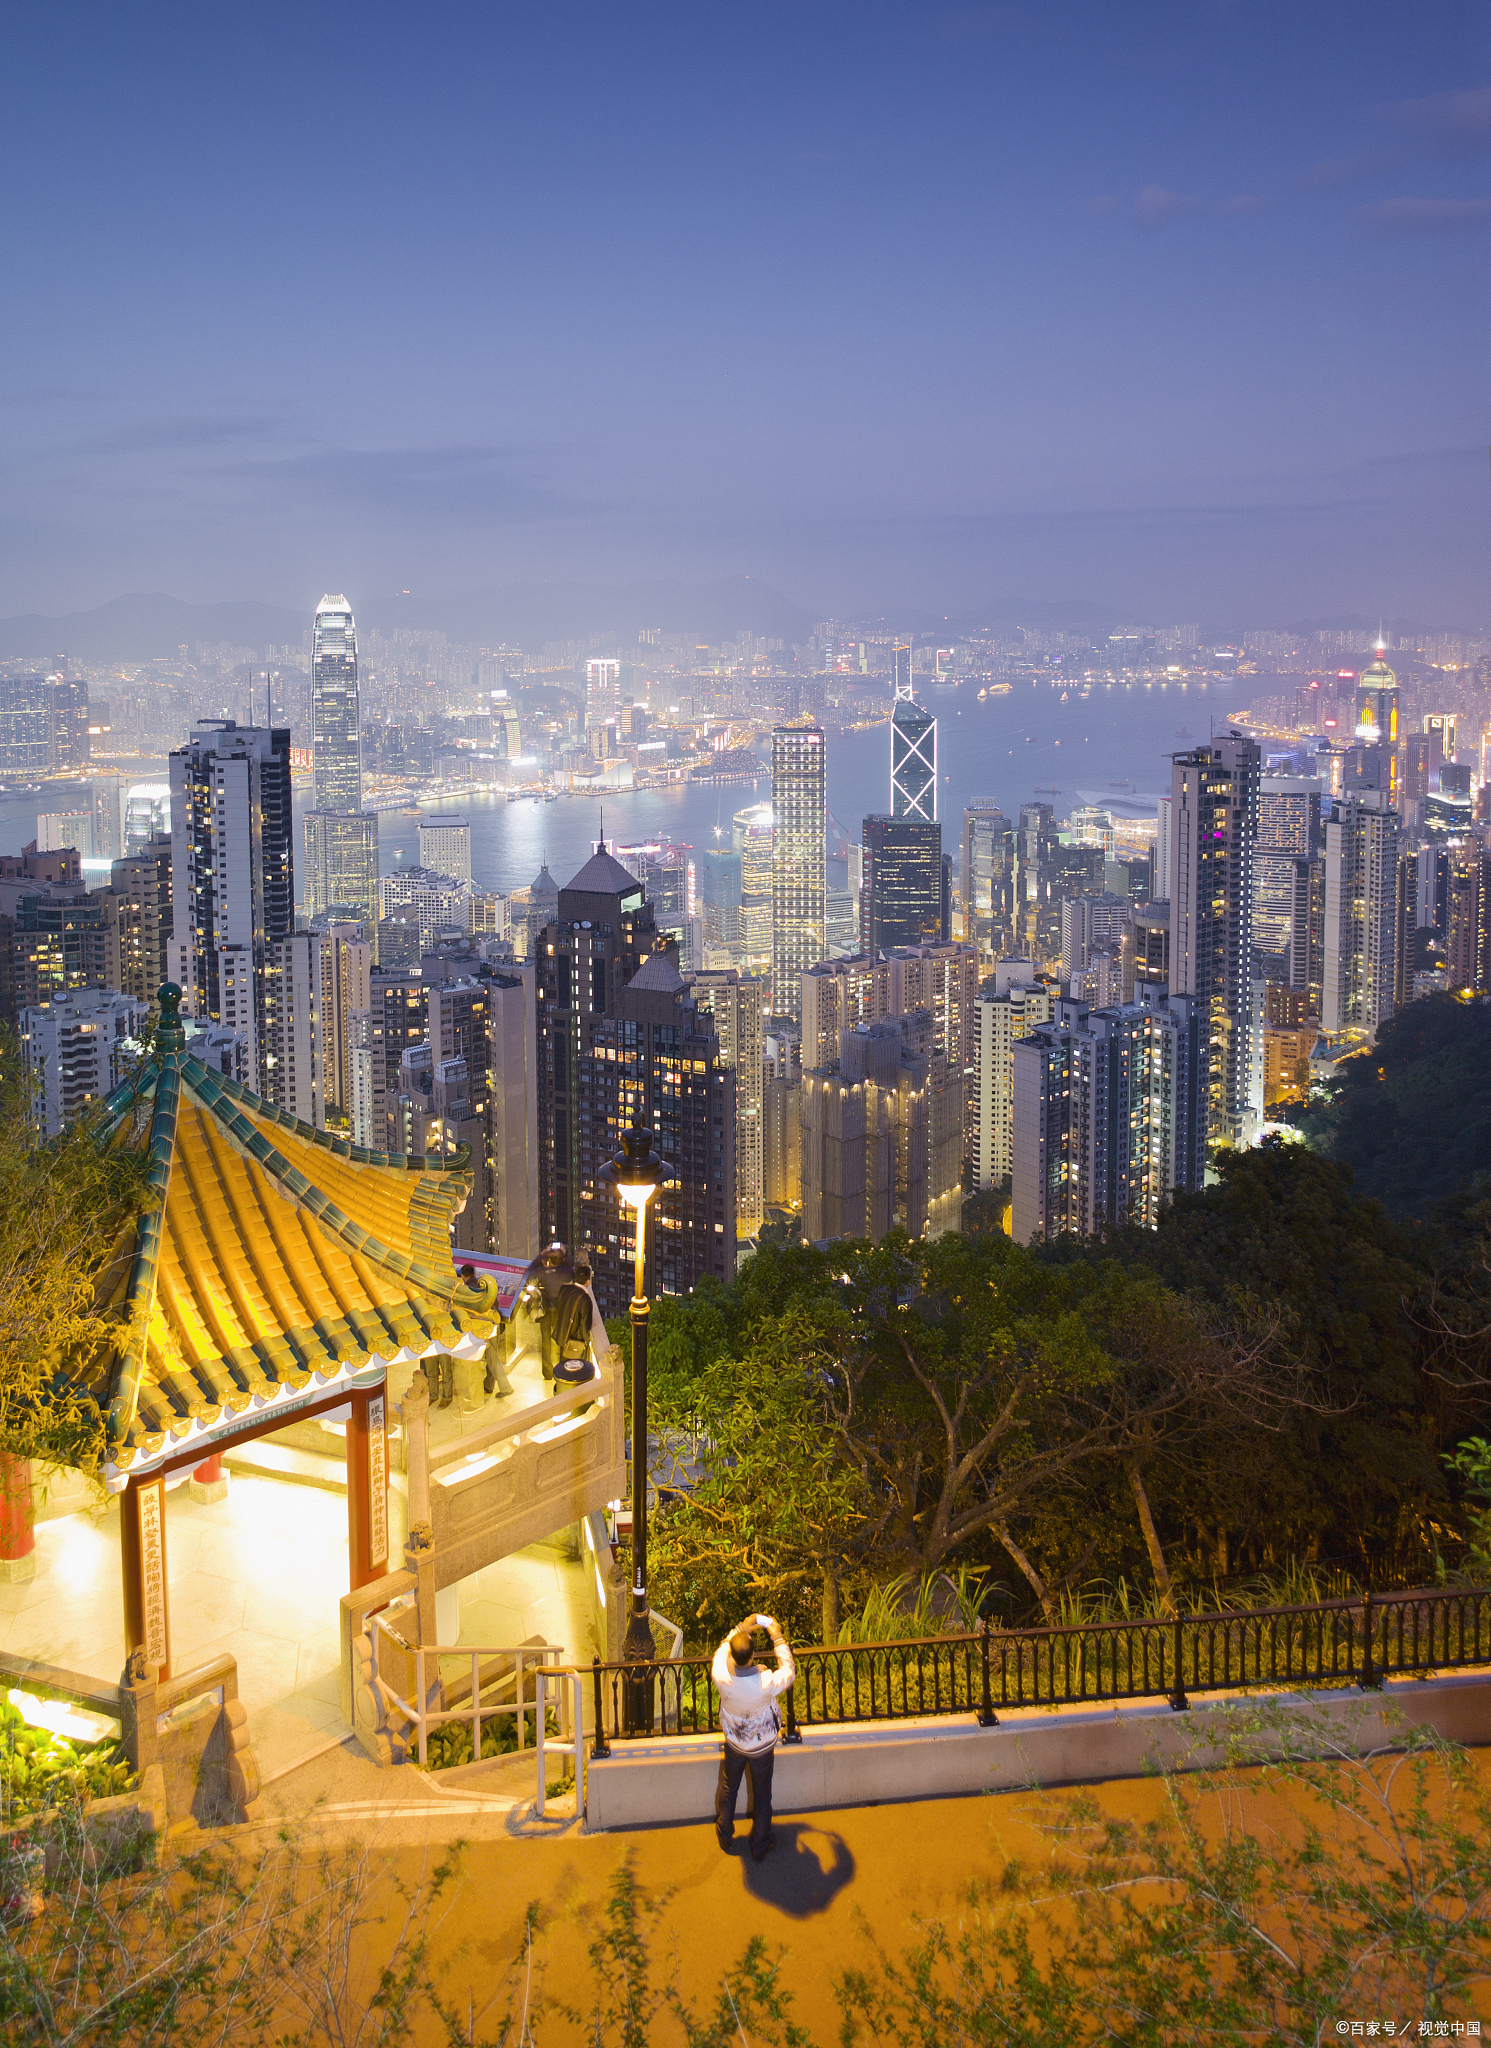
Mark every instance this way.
x=1178 y=308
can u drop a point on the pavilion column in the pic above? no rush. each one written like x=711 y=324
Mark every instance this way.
x=142 y=1545
x=367 y=1487
x=17 y=1520
x=209 y=1482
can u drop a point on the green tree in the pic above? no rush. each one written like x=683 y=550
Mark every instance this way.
x=61 y=1207
x=912 y=1403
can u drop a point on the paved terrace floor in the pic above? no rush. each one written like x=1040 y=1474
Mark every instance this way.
x=840 y=1888
x=260 y=1574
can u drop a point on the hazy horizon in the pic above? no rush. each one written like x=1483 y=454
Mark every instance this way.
x=1179 y=310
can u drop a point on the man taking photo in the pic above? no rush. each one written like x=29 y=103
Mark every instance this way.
x=750 y=1721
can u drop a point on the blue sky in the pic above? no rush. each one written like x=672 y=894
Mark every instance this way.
x=1180 y=308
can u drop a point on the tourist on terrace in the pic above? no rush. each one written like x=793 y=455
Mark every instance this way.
x=750 y=1721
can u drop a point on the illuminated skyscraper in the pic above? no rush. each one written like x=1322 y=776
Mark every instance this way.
x=1377 y=716
x=1213 y=846
x=232 y=878
x=602 y=692
x=341 y=840
x=1361 y=926
x=336 y=728
x=904 y=894
x=913 y=761
x=799 y=803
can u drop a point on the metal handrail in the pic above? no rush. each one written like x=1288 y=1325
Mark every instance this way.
x=1355 y=1641
x=541 y=1663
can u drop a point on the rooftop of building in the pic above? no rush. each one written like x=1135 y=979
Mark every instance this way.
x=602 y=875
x=659 y=974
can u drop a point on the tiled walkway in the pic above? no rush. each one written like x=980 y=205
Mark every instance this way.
x=260 y=1575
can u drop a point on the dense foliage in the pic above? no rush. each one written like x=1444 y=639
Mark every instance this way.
x=1412 y=1118
x=40 y=1770
x=60 y=1207
x=1277 y=1377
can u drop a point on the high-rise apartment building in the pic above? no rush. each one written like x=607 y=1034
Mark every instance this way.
x=43 y=726
x=445 y=845
x=799 y=805
x=738 y=1005
x=77 y=1047
x=232 y=875
x=838 y=995
x=1361 y=916
x=904 y=891
x=913 y=761
x=1089 y=922
x=139 y=894
x=942 y=982
x=1289 y=888
x=870 y=1155
x=1109 y=1117
x=438 y=903
x=602 y=693
x=1162 y=851
x=1214 y=793
x=1010 y=1004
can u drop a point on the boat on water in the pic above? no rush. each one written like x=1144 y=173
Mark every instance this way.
x=409 y=811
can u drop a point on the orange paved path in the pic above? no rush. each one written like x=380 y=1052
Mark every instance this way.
x=833 y=1878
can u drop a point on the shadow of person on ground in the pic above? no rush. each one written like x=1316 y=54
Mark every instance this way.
x=805 y=1872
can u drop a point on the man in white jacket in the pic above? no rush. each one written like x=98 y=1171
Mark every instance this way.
x=750 y=1721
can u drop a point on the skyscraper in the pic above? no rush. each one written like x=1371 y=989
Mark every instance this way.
x=913 y=761
x=602 y=692
x=618 y=1035
x=1109 y=1117
x=336 y=726
x=903 y=897
x=341 y=864
x=1010 y=1005
x=232 y=875
x=799 y=804
x=445 y=845
x=986 y=875
x=1361 y=915
x=341 y=840
x=1213 y=843
x=1377 y=716
x=738 y=1005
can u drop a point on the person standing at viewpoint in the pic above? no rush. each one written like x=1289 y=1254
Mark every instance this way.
x=750 y=1721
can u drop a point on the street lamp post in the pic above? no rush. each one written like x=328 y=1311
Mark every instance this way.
x=635 y=1173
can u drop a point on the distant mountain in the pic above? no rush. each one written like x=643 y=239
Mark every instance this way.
x=527 y=614
x=143 y=628
x=1069 y=616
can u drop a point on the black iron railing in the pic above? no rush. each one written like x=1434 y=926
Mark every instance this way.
x=1357 y=1641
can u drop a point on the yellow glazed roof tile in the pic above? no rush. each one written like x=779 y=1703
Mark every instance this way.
x=270 y=1253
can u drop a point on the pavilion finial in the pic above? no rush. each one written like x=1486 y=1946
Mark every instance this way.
x=170 y=1037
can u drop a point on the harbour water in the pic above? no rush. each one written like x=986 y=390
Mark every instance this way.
x=1064 y=749
x=1042 y=740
